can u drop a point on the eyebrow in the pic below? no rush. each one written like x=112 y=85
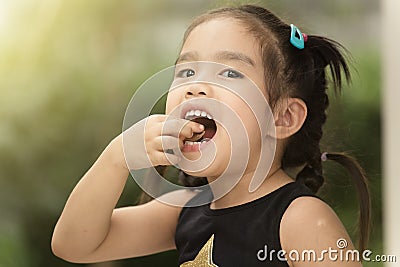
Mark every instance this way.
x=236 y=56
x=222 y=55
x=188 y=56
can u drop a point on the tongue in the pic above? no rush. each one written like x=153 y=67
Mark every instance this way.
x=209 y=133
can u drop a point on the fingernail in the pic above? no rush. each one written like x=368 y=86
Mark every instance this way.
x=201 y=127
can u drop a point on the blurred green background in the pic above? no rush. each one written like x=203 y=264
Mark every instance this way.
x=68 y=69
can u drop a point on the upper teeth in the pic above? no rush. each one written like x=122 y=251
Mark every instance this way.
x=197 y=113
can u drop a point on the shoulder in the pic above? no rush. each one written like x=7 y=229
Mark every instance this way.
x=308 y=209
x=310 y=223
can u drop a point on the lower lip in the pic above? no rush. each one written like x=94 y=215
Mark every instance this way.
x=194 y=148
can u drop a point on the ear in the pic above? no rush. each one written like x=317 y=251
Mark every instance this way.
x=289 y=117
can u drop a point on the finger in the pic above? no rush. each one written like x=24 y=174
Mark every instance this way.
x=181 y=127
x=192 y=128
x=164 y=142
x=158 y=117
x=195 y=136
x=161 y=158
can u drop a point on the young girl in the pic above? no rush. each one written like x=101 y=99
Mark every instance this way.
x=281 y=222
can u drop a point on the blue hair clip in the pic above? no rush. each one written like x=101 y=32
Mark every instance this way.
x=296 y=37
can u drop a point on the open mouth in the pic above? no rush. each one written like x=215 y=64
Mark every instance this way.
x=210 y=128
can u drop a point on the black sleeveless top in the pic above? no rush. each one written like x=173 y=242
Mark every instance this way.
x=243 y=236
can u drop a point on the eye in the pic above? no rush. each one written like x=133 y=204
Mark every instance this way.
x=232 y=74
x=186 y=73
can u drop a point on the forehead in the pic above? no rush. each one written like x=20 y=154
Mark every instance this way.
x=222 y=34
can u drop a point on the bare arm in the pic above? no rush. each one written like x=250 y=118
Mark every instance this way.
x=90 y=229
x=85 y=220
x=310 y=224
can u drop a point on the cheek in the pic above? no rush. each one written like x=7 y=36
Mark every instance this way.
x=245 y=113
x=172 y=102
x=248 y=118
x=251 y=125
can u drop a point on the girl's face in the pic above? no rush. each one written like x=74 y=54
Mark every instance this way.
x=227 y=42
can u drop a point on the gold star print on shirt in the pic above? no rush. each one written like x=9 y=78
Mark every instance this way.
x=204 y=258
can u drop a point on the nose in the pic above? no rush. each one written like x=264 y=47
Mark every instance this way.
x=197 y=90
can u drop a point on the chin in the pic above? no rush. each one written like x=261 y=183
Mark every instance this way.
x=195 y=155
x=214 y=170
x=203 y=173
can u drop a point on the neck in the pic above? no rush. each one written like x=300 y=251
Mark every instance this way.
x=240 y=193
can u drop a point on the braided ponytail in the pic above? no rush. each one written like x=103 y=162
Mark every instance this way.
x=311 y=88
x=311 y=177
